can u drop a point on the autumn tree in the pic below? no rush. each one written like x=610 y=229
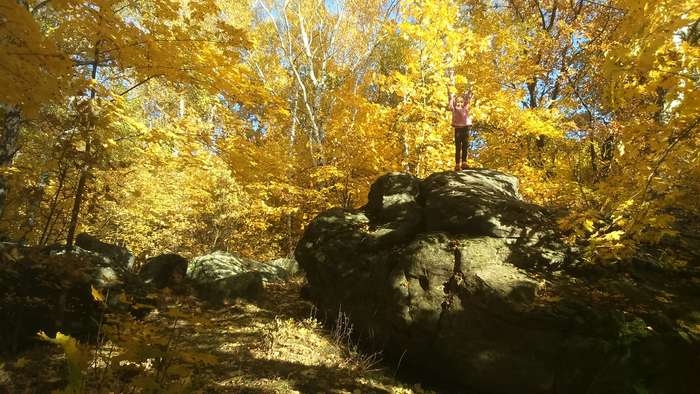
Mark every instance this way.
x=196 y=125
x=105 y=50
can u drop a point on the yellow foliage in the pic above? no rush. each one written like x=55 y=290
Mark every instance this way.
x=229 y=125
x=96 y=294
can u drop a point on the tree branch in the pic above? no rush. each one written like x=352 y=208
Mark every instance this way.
x=683 y=134
x=139 y=84
x=39 y=6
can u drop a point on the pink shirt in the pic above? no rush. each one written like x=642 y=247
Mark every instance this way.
x=460 y=116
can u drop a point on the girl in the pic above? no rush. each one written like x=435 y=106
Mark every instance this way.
x=462 y=122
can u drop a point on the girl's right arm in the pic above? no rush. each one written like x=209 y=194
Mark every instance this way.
x=451 y=102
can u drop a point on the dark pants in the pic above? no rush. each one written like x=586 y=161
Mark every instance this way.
x=461 y=143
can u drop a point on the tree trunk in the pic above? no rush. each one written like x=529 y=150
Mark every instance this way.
x=8 y=148
x=54 y=203
x=35 y=197
x=76 y=206
x=532 y=92
x=75 y=212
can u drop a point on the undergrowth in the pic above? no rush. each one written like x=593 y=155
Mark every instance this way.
x=131 y=355
x=273 y=345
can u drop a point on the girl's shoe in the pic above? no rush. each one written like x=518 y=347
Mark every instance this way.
x=457 y=167
x=465 y=166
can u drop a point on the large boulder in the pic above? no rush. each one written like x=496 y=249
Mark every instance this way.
x=220 y=276
x=461 y=281
x=118 y=255
x=165 y=270
x=109 y=275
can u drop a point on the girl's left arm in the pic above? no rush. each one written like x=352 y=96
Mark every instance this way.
x=468 y=97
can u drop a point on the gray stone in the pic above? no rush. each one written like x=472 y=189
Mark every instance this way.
x=166 y=270
x=465 y=282
x=220 y=276
x=479 y=202
x=105 y=274
x=394 y=208
x=117 y=254
x=288 y=265
x=112 y=277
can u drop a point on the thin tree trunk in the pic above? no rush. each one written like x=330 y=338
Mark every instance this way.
x=76 y=206
x=86 y=166
x=532 y=91
x=181 y=107
x=8 y=148
x=45 y=233
x=292 y=141
x=33 y=205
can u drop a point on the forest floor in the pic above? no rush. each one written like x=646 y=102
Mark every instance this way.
x=273 y=345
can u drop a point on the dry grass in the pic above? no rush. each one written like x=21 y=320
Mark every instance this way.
x=272 y=346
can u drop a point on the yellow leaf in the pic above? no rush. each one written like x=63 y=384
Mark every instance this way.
x=614 y=235
x=96 y=295
x=9 y=170
x=77 y=358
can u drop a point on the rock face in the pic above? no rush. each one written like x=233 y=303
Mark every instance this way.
x=463 y=281
x=219 y=276
x=165 y=270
